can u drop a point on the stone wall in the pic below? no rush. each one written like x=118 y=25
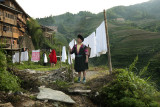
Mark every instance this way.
x=26 y=42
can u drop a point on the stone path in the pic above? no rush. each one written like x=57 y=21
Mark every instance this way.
x=83 y=88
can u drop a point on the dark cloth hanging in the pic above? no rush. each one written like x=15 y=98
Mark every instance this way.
x=80 y=58
x=53 y=57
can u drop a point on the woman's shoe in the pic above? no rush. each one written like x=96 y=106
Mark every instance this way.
x=84 y=80
x=79 y=79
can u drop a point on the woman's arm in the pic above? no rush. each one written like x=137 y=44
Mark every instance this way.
x=86 y=52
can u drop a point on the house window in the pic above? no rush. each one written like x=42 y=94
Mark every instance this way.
x=10 y=28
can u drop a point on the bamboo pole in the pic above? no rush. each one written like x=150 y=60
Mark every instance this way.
x=108 y=46
x=71 y=66
x=60 y=56
x=19 y=53
x=12 y=46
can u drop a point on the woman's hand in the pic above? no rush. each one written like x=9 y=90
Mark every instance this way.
x=86 y=58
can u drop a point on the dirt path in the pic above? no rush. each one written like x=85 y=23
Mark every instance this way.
x=93 y=74
x=31 y=82
x=82 y=99
x=90 y=75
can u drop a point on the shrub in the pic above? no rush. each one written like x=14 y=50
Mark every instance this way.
x=3 y=62
x=154 y=104
x=128 y=90
x=7 y=80
x=130 y=102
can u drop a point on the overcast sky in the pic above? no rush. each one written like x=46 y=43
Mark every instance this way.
x=42 y=8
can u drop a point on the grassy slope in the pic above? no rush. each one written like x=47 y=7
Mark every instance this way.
x=128 y=42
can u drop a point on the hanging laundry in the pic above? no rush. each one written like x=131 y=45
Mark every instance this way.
x=64 y=55
x=13 y=59
x=45 y=58
x=71 y=44
x=35 y=55
x=17 y=57
x=53 y=57
x=24 y=56
x=92 y=44
x=86 y=41
x=69 y=58
x=101 y=46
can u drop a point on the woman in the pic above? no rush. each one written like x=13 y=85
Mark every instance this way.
x=81 y=59
x=53 y=58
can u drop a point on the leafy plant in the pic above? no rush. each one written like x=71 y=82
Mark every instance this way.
x=3 y=62
x=128 y=90
x=7 y=80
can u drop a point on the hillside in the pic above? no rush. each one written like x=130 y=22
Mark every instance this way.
x=136 y=36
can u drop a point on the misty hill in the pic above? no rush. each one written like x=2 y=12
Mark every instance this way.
x=85 y=22
x=147 y=10
x=135 y=36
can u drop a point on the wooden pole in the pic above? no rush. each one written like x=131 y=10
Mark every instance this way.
x=19 y=53
x=71 y=66
x=108 y=46
x=12 y=46
x=60 y=56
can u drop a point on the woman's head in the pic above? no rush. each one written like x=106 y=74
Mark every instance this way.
x=80 y=38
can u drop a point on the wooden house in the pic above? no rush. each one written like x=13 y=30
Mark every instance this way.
x=12 y=23
x=48 y=32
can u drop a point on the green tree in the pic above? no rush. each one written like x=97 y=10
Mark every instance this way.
x=35 y=31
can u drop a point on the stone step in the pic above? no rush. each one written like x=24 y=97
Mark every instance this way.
x=79 y=91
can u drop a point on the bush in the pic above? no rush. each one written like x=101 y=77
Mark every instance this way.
x=128 y=90
x=7 y=80
x=3 y=62
x=130 y=102
x=154 y=104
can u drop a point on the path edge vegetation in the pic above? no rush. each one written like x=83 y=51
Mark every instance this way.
x=129 y=89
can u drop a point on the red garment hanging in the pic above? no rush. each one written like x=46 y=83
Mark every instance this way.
x=53 y=57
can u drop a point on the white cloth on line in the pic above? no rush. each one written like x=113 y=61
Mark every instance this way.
x=92 y=44
x=71 y=44
x=13 y=59
x=64 y=55
x=27 y=56
x=69 y=58
x=24 y=56
x=45 y=58
x=17 y=57
x=86 y=41
x=101 y=41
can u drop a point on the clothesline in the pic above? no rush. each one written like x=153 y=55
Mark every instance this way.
x=36 y=56
x=97 y=41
